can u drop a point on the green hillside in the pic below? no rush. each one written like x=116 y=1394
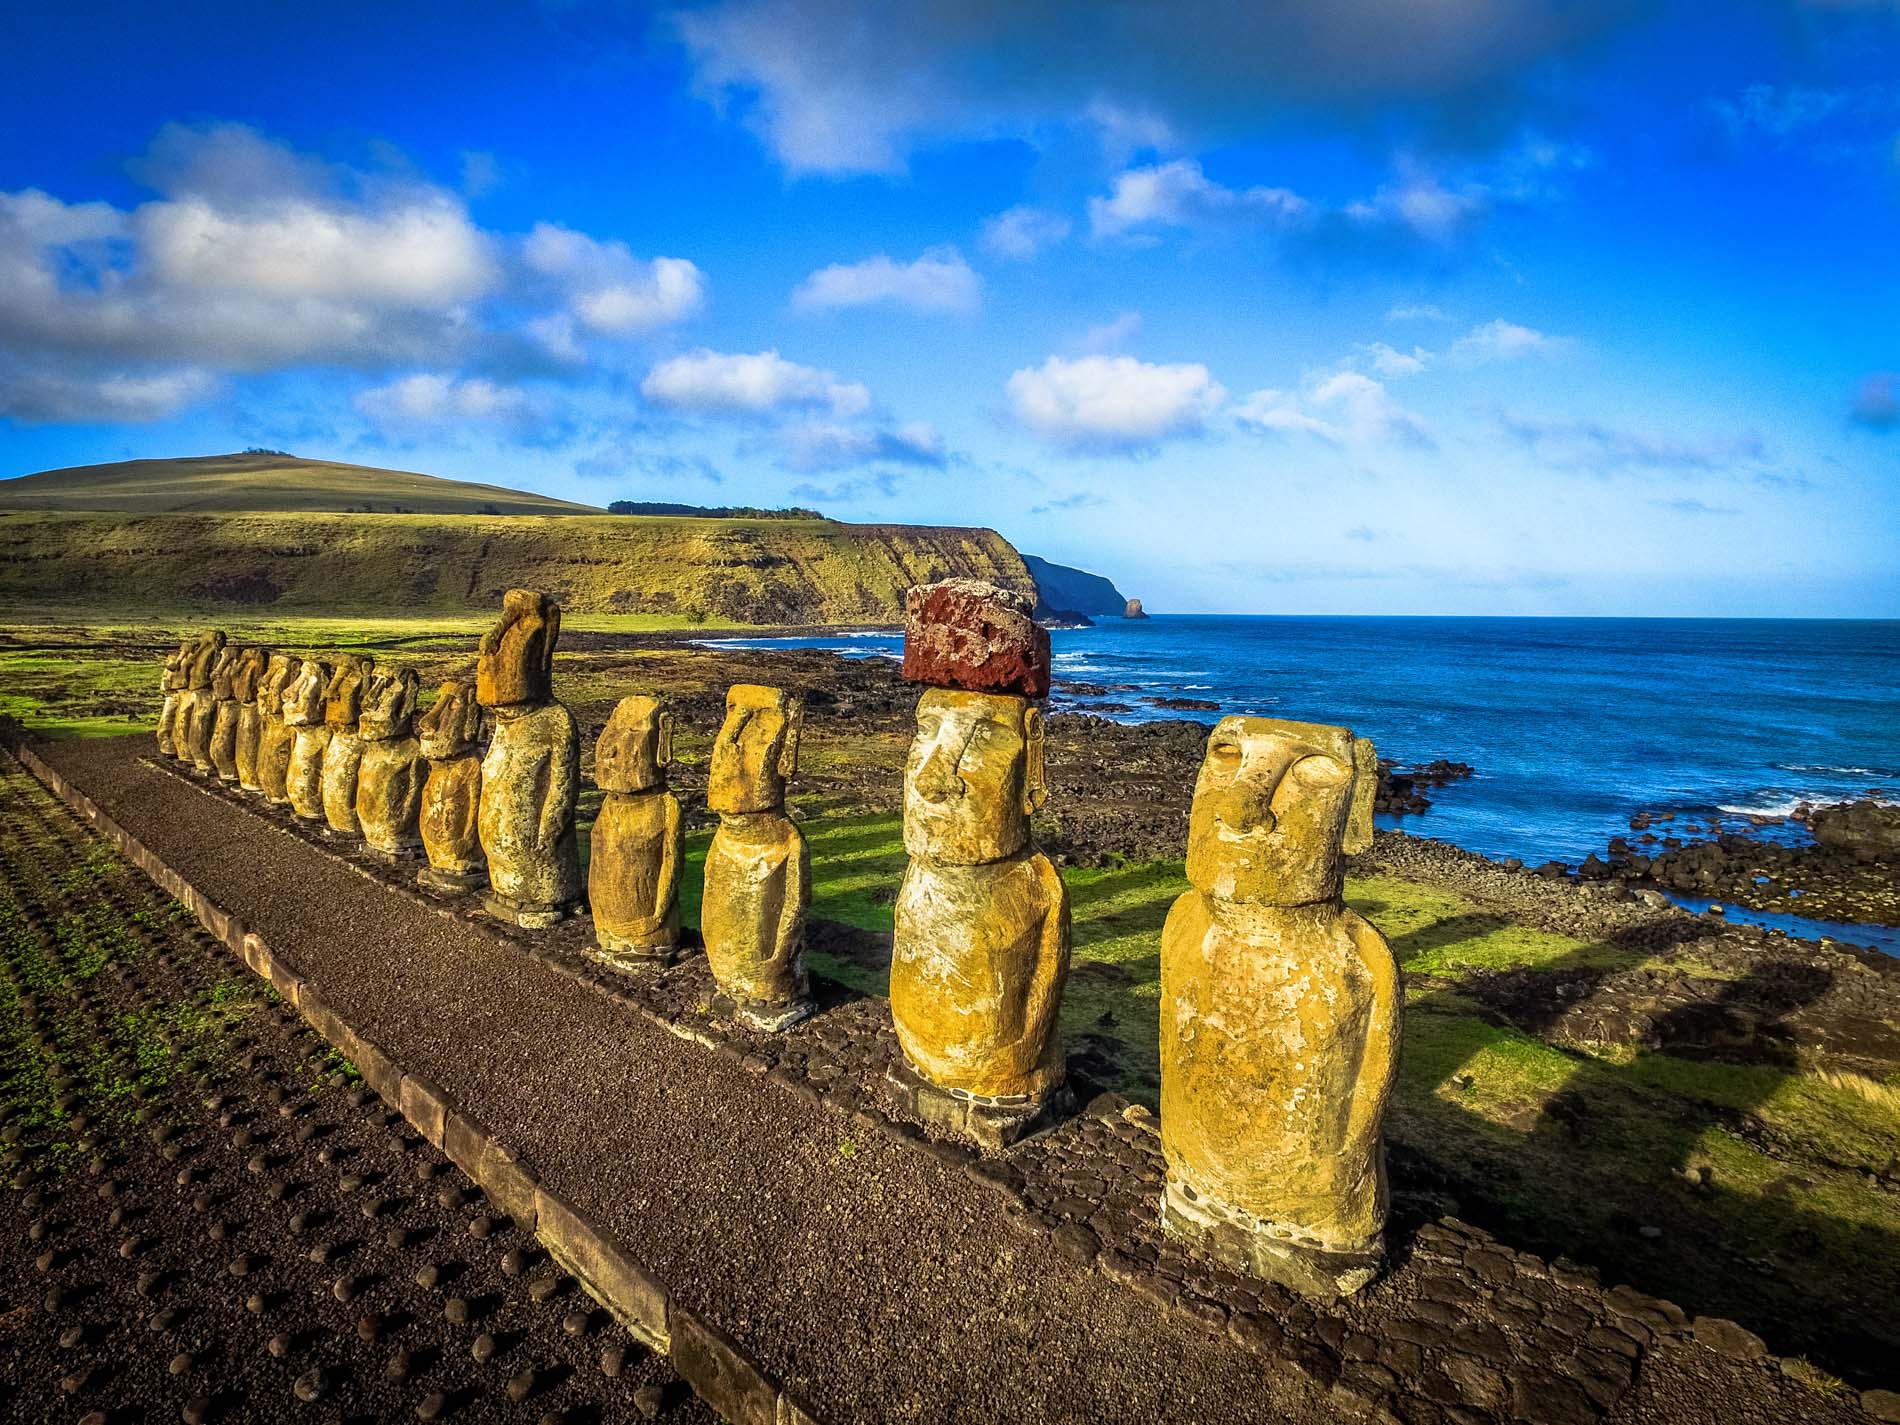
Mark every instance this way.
x=262 y=481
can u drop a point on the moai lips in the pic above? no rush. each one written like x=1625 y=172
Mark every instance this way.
x=758 y=869
x=961 y=633
x=450 y=735
x=390 y=777
x=633 y=872
x=1279 y=1017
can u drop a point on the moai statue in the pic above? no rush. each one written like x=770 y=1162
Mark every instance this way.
x=202 y=705
x=172 y=683
x=981 y=951
x=224 y=715
x=274 y=735
x=1279 y=1017
x=303 y=715
x=245 y=681
x=633 y=875
x=450 y=737
x=389 y=782
x=758 y=869
x=532 y=773
x=343 y=753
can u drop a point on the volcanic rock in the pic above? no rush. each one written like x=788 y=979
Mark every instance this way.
x=961 y=633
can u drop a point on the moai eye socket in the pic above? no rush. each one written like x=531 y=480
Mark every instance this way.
x=1224 y=754
x=1319 y=770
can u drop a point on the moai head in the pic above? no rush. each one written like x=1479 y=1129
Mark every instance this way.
x=223 y=671
x=204 y=657
x=278 y=674
x=178 y=666
x=635 y=747
x=343 y=696
x=453 y=724
x=389 y=705
x=974 y=777
x=1270 y=809
x=1365 y=790
x=303 y=694
x=249 y=673
x=516 y=666
x=756 y=751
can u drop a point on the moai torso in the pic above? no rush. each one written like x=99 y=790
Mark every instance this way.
x=450 y=737
x=274 y=735
x=389 y=781
x=303 y=715
x=224 y=718
x=172 y=681
x=202 y=711
x=531 y=775
x=1279 y=1018
x=343 y=753
x=633 y=865
x=252 y=665
x=758 y=870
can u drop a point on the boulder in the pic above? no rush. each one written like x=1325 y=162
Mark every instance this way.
x=1865 y=830
x=1134 y=610
x=964 y=634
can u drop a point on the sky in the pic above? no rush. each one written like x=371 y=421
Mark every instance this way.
x=1324 y=306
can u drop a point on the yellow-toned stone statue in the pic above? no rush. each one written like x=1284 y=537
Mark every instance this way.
x=531 y=775
x=245 y=681
x=201 y=705
x=303 y=715
x=389 y=781
x=981 y=951
x=450 y=737
x=274 y=735
x=343 y=753
x=758 y=869
x=172 y=684
x=633 y=872
x=224 y=715
x=1279 y=1017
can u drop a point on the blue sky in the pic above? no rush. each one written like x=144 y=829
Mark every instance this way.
x=1492 y=306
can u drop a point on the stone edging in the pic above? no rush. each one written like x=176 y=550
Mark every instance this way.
x=717 y=1367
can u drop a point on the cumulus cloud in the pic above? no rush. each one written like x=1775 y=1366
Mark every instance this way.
x=823 y=445
x=1113 y=403
x=53 y=397
x=430 y=399
x=717 y=383
x=609 y=291
x=1340 y=407
x=1877 y=402
x=852 y=86
x=1021 y=232
x=1499 y=341
x=1179 y=194
x=939 y=281
x=1389 y=362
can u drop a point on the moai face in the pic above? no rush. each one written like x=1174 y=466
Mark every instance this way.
x=204 y=657
x=453 y=725
x=635 y=747
x=251 y=665
x=278 y=675
x=178 y=666
x=1270 y=808
x=343 y=696
x=223 y=672
x=303 y=695
x=973 y=777
x=389 y=705
x=516 y=666
x=756 y=751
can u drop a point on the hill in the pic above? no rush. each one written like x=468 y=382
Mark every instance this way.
x=1074 y=590
x=263 y=481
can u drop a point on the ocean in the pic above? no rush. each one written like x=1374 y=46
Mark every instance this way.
x=1573 y=725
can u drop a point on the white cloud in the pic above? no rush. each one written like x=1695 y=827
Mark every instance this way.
x=823 y=445
x=1022 y=232
x=1499 y=341
x=1339 y=407
x=939 y=281
x=1179 y=194
x=432 y=399
x=1389 y=362
x=1112 y=402
x=716 y=383
x=1110 y=335
x=608 y=290
x=1420 y=203
x=34 y=397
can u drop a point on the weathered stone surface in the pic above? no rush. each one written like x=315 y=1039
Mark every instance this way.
x=343 y=753
x=530 y=786
x=173 y=681
x=981 y=950
x=1865 y=830
x=1365 y=791
x=961 y=633
x=721 y=1373
x=253 y=663
x=390 y=778
x=274 y=735
x=303 y=715
x=613 y=1278
x=201 y=704
x=758 y=869
x=449 y=734
x=516 y=666
x=1279 y=1019
x=638 y=839
x=224 y=716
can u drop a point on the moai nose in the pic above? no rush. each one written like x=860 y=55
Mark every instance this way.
x=937 y=779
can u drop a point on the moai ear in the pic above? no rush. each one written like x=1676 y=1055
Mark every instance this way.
x=788 y=742
x=1365 y=788
x=411 y=690
x=1035 y=782
x=554 y=637
x=663 y=743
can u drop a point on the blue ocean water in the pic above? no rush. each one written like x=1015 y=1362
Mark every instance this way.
x=1574 y=725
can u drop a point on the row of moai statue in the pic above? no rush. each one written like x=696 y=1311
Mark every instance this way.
x=1279 y=1006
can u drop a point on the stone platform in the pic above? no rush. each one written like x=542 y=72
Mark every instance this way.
x=860 y=1271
